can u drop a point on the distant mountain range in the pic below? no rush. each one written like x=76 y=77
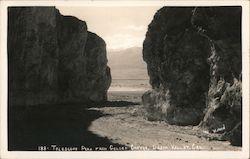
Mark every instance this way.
x=127 y=63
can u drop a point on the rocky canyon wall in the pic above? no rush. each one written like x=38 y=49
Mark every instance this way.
x=193 y=55
x=54 y=58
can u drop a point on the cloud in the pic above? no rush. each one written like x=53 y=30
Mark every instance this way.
x=123 y=41
x=136 y=28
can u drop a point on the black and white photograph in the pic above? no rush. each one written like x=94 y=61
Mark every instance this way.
x=125 y=78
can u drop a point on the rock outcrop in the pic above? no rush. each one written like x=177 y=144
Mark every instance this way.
x=54 y=58
x=194 y=62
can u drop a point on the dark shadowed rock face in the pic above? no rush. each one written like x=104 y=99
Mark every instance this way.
x=194 y=63
x=54 y=59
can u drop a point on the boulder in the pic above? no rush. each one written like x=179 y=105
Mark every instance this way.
x=193 y=55
x=54 y=59
x=176 y=55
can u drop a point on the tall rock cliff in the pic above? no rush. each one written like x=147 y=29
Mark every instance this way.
x=54 y=58
x=193 y=55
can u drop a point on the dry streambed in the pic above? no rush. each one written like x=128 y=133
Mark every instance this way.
x=127 y=126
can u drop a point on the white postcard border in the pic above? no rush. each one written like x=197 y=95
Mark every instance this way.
x=124 y=154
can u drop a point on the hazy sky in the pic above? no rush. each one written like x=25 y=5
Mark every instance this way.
x=120 y=27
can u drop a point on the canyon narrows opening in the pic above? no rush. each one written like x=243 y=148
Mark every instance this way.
x=99 y=78
x=123 y=30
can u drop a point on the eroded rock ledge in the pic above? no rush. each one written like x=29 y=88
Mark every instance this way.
x=194 y=63
x=54 y=58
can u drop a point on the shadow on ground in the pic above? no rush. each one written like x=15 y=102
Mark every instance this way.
x=61 y=125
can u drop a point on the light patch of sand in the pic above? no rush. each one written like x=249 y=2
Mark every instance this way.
x=127 y=126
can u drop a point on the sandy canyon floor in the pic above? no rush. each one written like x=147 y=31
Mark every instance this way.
x=118 y=124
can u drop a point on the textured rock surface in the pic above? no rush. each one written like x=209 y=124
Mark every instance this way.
x=194 y=63
x=54 y=59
